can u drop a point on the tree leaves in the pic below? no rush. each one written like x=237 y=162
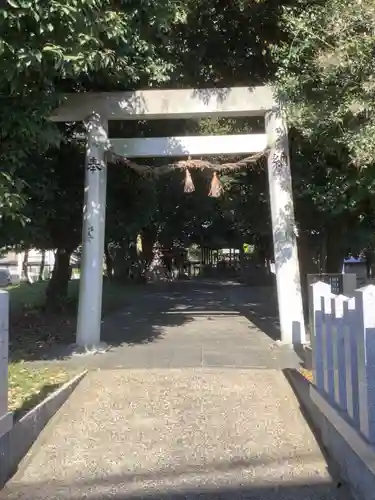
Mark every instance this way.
x=326 y=74
x=53 y=46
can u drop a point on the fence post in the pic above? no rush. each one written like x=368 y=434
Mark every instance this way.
x=351 y=373
x=365 y=318
x=328 y=345
x=6 y=418
x=339 y=364
x=319 y=291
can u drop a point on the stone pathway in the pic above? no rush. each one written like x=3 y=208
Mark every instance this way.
x=190 y=403
x=191 y=325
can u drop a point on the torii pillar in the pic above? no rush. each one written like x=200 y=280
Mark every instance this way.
x=292 y=325
x=93 y=233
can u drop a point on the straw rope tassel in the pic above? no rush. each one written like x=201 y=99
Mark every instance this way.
x=216 y=187
x=189 y=184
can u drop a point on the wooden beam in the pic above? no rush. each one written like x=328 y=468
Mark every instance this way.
x=189 y=146
x=166 y=104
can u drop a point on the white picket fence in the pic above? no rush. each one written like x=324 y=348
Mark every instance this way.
x=343 y=347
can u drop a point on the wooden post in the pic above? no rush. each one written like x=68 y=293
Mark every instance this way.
x=319 y=291
x=292 y=324
x=91 y=281
x=351 y=359
x=365 y=328
x=329 y=384
x=339 y=361
x=6 y=417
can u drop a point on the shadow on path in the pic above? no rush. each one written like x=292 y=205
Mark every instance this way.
x=160 y=307
x=152 y=310
x=258 y=305
x=195 y=323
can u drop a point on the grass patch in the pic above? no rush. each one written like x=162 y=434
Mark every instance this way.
x=30 y=386
x=25 y=296
x=307 y=374
x=34 y=331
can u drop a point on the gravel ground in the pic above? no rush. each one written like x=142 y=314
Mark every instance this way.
x=177 y=434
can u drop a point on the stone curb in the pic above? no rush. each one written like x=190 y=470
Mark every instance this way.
x=15 y=444
x=351 y=457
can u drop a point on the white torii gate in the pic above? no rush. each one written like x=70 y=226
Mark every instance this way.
x=95 y=109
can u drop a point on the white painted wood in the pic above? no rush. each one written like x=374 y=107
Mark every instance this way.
x=339 y=362
x=91 y=281
x=328 y=341
x=4 y=334
x=189 y=145
x=291 y=315
x=346 y=328
x=6 y=420
x=166 y=104
x=319 y=290
x=360 y=447
x=365 y=336
x=351 y=360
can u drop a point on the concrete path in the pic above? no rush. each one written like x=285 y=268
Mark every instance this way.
x=191 y=325
x=190 y=403
x=177 y=434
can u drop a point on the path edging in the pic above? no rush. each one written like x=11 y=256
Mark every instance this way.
x=352 y=455
x=15 y=444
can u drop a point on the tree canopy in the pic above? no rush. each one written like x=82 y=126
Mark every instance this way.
x=326 y=75
x=318 y=56
x=48 y=47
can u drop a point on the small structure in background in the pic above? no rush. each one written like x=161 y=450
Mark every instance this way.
x=357 y=266
x=30 y=265
x=5 y=277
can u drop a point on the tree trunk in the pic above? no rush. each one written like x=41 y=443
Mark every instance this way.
x=242 y=257
x=323 y=255
x=369 y=260
x=57 y=290
x=335 y=253
x=42 y=266
x=149 y=237
x=122 y=262
x=108 y=262
x=306 y=253
x=25 y=266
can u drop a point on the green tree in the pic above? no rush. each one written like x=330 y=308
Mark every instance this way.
x=67 y=45
x=52 y=211
x=51 y=47
x=326 y=75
